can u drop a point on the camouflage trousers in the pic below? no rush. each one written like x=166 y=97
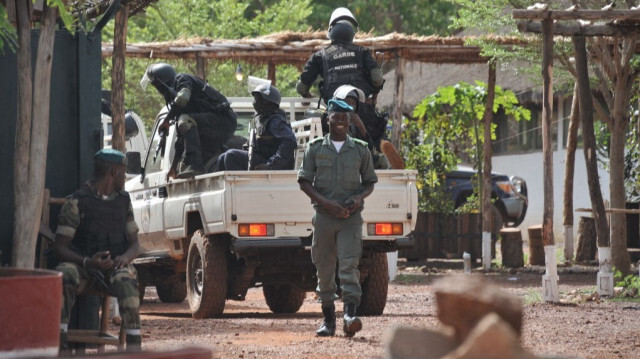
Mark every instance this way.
x=123 y=281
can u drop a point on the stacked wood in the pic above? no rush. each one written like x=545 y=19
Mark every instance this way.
x=536 y=245
x=586 y=240
x=511 y=248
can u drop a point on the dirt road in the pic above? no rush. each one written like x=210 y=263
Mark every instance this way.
x=586 y=329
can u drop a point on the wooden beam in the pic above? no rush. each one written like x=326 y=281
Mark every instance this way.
x=201 y=67
x=582 y=30
x=118 y=79
x=547 y=135
x=271 y=73
x=487 y=151
x=398 y=102
x=599 y=15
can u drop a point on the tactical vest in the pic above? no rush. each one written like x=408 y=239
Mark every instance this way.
x=266 y=143
x=204 y=98
x=342 y=65
x=103 y=224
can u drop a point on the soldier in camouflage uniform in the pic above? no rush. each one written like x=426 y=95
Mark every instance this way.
x=96 y=240
x=337 y=174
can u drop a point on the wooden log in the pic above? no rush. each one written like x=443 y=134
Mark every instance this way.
x=582 y=30
x=398 y=102
x=586 y=240
x=587 y=14
x=536 y=245
x=511 y=248
x=547 y=132
x=118 y=78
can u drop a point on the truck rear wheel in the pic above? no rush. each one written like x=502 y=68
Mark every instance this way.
x=172 y=290
x=375 y=286
x=283 y=298
x=206 y=276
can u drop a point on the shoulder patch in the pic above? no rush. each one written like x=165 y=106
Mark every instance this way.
x=360 y=142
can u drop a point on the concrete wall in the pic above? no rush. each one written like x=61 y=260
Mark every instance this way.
x=529 y=167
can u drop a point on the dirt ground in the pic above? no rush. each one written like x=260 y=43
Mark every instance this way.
x=579 y=328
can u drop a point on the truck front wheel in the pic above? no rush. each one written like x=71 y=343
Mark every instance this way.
x=374 y=288
x=172 y=290
x=283 y=298
x=206 y=276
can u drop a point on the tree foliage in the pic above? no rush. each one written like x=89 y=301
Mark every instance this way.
x=230 y=19
x=448 y=130
x=422 y=17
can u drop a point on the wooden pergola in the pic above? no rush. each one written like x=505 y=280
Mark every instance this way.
x=291 y=48
x=608 y=24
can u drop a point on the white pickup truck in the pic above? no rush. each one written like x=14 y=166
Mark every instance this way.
x=213 y=237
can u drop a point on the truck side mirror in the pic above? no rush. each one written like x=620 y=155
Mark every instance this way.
x=134 y=163
x=130 y=125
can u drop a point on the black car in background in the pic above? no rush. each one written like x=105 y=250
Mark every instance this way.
x=509 y=193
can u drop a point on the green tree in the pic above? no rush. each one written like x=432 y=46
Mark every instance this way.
x=421 y=17
x=447 y=131
x=229 y=19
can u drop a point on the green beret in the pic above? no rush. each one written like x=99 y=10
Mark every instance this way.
x=339 y=106
x=111 y=155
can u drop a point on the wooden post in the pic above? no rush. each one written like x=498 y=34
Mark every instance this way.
x=117 y=78
x=486 y=169
x=511 y=247
x=550 y=279
x=569 y=168
x=271 y=73
x=398 y=101
x=201 y=67
x=33 y=117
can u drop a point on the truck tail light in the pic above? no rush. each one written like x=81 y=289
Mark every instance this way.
x=384 y=229
x=506 y=187
x=256 y=230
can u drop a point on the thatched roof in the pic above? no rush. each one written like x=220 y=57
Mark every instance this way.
x=424 y=80
x=295 y=48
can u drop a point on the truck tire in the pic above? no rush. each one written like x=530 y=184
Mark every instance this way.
x=172 y=290
x=375 y=286
x=283 y=298
x=206 y=276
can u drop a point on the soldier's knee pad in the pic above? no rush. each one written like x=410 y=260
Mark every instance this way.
x=185 y=123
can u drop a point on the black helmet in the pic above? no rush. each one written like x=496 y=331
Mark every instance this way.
x=268 y=92
x=160 y=75
x=342 y=32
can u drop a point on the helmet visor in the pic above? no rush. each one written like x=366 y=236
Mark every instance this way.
x=145 y=81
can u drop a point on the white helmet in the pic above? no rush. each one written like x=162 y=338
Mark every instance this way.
x=345 y=91
x=342 y=13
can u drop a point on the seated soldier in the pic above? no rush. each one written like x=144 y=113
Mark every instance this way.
x=357 y=129
x=274 y=143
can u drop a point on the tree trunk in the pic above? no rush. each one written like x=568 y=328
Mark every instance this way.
x=586 y=240
x=618 y=225
x=589 y=146
x=569 y=168
x=117 y=78
x=28 y=200
x=547 y=135
x=487 y=218
x=398 y=102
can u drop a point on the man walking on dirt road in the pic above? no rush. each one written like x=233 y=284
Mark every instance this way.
x=337 y=174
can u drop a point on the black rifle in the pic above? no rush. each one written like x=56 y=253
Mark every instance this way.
x=162 y=143
x=252 y=142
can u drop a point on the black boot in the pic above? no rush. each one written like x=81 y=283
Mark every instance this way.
x=352 y=324
x=134 y=343
x=192 y=157
x=328 y=328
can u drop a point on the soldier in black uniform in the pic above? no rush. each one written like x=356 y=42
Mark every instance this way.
x=275 y=142
x=96 y=240
x=205 y=119
x=342 y=63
